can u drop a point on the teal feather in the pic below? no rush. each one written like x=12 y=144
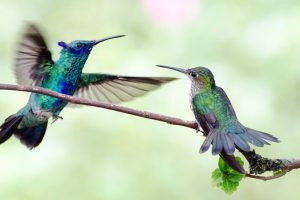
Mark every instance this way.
x=34 y=67
x=215 y=114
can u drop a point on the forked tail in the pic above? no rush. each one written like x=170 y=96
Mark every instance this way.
x=228 y=140
x=29 y=136
x=9 y=127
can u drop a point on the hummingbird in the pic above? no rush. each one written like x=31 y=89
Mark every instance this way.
x=34 y=67
x=216 y=116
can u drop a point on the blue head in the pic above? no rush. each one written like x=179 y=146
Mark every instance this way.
x=81 y=48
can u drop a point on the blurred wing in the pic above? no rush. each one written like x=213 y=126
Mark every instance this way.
x=33 y=58
x=116 y=89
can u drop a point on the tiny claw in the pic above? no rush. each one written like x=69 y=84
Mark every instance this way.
x=199 y=129
x=199 y=132
x=56 y=118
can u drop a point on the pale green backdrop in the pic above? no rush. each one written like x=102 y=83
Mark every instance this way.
x=251 y=46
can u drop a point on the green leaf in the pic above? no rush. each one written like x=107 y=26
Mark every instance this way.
x=239 y=160
x=227 y=178
x=217 y=177
x=222 y=165
x=229 y=186
x=236 y=176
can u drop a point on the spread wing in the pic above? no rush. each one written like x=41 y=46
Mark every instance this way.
x=33 y=58
x=116 y=89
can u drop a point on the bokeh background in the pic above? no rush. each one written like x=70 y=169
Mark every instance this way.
x=253 y=49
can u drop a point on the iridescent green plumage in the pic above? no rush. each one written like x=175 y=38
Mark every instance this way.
x=34 y=66
x=215 y=114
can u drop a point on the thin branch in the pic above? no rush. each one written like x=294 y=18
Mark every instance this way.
x=287 y=166
x=293 y=164
x=266 y=178
x=82 y=101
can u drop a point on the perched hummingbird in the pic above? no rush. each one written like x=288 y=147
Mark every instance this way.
x=35 y=67
x=215 y=114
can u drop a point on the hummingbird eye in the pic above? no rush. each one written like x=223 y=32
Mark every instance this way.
x=79 y=45
x=194 y=74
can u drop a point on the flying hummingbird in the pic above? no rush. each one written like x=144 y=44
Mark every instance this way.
x=34 y=67
x=216 y=116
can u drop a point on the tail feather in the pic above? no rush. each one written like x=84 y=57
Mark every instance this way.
x=262 y=135
x=227 y=141
x=217 y=145
x=9 y=127
x=239 y=142
x=32 y=136
x=228 y=144
x=23 y=132
x=232 y=162
x=256 y=138
x=207 y=142
x=37 y=138
x=251 y=139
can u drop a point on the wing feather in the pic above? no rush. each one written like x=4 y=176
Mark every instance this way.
x=33 y=59
x=116 y=89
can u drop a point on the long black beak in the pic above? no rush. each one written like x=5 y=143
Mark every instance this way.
x=108 y=38
x=185 y=71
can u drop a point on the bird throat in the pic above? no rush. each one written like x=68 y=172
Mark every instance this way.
x=199 y=87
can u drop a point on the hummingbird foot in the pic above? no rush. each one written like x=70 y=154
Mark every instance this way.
x=56 y=118
x=199 y=131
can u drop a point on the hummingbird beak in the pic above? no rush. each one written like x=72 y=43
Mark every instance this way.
x=185 y=71
x=95 y=42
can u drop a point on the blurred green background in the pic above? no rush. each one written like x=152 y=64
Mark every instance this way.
x=253 y=49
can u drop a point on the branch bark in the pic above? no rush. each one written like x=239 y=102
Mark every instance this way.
x=118 y=108
x=286 y=167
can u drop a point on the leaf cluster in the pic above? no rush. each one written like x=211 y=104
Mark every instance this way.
x=226 y=178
